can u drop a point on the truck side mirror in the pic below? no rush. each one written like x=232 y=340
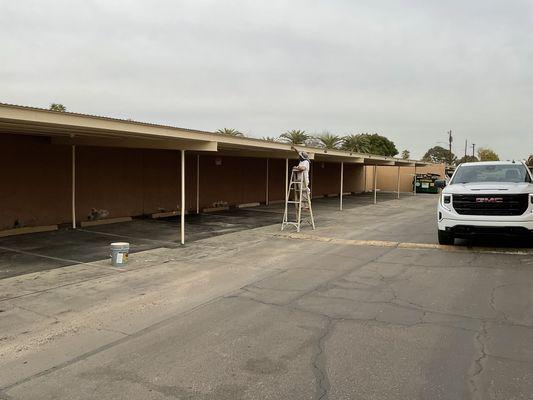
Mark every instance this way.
x=440 y=183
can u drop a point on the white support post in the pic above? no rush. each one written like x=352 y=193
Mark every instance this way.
x=342 y=184
x=266 y=193
x=311 y=169
x=414 y=183
x=375 y=184
x=182 y=223
x=198 y=184
x=398 y=181
x=286 y=176
x=73 y=186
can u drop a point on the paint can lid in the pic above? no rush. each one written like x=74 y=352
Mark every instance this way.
x=120 y=244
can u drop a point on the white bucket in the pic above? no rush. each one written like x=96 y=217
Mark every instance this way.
x=119 y=253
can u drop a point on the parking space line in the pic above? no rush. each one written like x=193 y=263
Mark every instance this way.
x=167 y=242
x=405 y=245
x=28 y=253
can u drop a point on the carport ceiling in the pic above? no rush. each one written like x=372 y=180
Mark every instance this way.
x=111 y=135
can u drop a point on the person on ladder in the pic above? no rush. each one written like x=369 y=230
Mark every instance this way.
x=304 y=167
x=298 y=194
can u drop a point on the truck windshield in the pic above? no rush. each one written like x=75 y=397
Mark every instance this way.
x=491 y=173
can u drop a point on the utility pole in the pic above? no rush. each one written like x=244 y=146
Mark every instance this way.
x=466 y=146
x=450 y=140
x=473 y=149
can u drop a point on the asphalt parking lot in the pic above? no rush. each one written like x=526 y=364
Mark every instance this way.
x=43 y=251
x=366 y=306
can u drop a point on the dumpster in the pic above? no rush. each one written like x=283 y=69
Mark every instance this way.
x=425 y=183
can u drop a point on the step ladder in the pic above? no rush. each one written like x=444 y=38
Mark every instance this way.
x=294 y=196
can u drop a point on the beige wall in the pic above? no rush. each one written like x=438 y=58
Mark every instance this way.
x=387 y=177
x=235 y=180
x=131 y=182
x=326 y=178
x=36 y=180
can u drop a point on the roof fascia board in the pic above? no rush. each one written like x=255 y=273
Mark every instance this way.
x=89 y=125
x=259 y=154
x=382 y=162
x=69 y=131
x=405 y=164
x=137 y=143
x=69 y=120
x=338 y=159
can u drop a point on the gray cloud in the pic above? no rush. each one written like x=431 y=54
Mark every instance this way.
x=408 y=69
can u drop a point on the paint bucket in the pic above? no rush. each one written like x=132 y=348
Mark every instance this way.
x=119 y=253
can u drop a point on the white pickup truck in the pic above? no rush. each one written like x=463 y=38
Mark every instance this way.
x=494 y=198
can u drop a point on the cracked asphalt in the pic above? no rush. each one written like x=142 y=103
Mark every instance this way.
x=342 y=312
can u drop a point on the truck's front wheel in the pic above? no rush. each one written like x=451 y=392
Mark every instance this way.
x=446 y=238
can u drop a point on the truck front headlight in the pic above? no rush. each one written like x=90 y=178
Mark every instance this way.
x=446 y=201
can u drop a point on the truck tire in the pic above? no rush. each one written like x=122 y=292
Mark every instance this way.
x=446 y=238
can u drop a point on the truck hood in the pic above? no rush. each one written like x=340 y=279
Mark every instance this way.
x=489 y=188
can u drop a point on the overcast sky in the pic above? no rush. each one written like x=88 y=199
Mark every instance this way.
x=410 y=70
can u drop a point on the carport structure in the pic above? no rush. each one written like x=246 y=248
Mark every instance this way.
x=59 y=167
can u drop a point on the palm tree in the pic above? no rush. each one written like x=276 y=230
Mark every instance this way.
x=329 y=141
x=295 y=137
x=270 y=138
x=229 y=132
x=356 y=144
x=57 y=107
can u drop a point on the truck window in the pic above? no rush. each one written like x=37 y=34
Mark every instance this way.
x=516 y=173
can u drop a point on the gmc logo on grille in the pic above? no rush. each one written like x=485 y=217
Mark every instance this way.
x=489 y=199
